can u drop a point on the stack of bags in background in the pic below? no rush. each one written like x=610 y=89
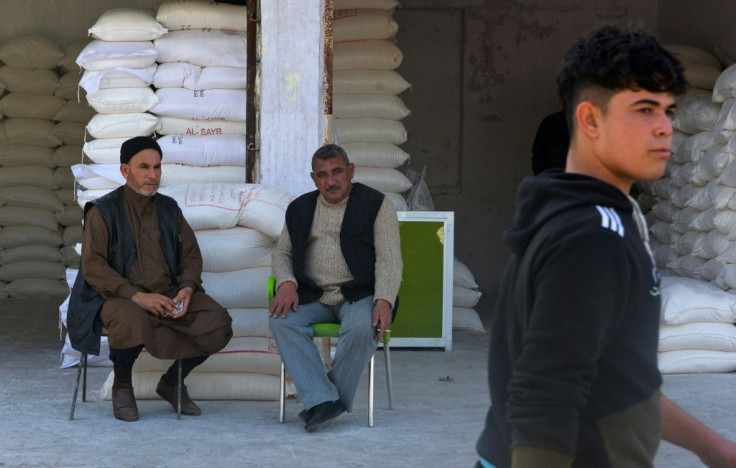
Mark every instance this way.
x=692 y=221
x=366 y=108
x=201 y=85
x=119 y=65
x=30 y=207
x=465 y=297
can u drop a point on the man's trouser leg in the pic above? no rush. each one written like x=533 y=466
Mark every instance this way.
x=354 y=348
x=295 y=338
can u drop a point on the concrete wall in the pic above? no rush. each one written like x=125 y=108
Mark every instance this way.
x=484 y=76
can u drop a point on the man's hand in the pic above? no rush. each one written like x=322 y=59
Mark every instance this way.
x=381 y=317
x=182 y=298
x=155 y=304
x=284 y=301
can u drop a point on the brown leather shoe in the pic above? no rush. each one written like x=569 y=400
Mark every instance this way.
x=123 y=404
x=168 y=393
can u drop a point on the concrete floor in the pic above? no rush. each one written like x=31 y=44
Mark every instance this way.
x=435 y=423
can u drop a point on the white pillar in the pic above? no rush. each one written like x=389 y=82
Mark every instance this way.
x=292 y=120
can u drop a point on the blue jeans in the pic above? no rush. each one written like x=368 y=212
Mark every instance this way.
x=294 y=337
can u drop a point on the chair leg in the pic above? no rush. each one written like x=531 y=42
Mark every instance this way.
x=389 y=382
x=82 y=362
x=370 y=392
x=282 y=395
x=84 y=377
x=178 y=391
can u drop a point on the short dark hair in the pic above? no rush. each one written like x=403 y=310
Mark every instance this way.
x=329 y=151
x=610 y=60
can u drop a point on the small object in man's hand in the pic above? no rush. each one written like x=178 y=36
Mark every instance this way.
x=179 y=307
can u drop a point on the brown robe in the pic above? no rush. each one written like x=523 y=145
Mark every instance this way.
x=203 y=330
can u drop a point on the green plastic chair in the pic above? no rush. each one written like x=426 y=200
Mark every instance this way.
x=332 y=330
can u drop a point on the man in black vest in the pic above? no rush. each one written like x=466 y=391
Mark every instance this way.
x=139 y=277
x=338 y=260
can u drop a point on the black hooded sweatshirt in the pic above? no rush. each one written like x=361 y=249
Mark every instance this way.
x=573 y=354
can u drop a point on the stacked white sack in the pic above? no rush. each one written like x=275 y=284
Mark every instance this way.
x=366 y=106
x=201 y=84
x=236 y=227
x=697 y=332
x=465 y=297
x=119 y=65
x=30 y=237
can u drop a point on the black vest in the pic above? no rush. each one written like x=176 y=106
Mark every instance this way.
x=85 y=302
x=356 y=241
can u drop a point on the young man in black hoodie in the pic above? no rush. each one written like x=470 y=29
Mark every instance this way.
x=573 y=356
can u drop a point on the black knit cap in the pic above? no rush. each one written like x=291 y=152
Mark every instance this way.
x=135 y=145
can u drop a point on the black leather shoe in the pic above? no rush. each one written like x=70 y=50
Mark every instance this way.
x=168 y=393
x=324 y=413
x=123 y=404
x=306 y=414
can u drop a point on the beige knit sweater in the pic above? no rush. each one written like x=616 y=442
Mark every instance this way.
x=324 y=262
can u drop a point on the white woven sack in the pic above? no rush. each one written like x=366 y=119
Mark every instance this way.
x=664 y=210
x=725 y=222
x=126 y=24
x=250 y=322
x=686 y=266
x=661 y=231
x=378 y=54
x=682 y=219
x=466 y=318
x=702 y=76
x=352 y=25
x=66 y=155
x=211 y=104
x=686 y=300
x=34 y=288
x=696 y=361
x=367 y=81
x=103 y=55
x=15 y=236
x=370 y=131
x=71 y=52
x=682 y=175
x=240 y=288
x=122 y=125
x=74 y=111
x=388 y=5
x=24 y=155
x=186 y=75
x=691 y=150
x=123 y=100
x=69 y=88
x=462 y=276
x=82 y=195
x=242 y=354
x=98 y=176
x=30 y=253
x=692 y=54
x=70 y=133
x=70 y=356
x=685 y=244
x=725 y=86
x=39 y=176
x=687 y=195
x=208 y=150
x=233 y=249
x=695 y=114
x=119 y=77
x=30 y=106
x=464 y=297
x=177 y=126
x=382 y=179
x=719 y=194
x=180 y=174
x=726 y=123
x=104 y=151
x=380 y=106
x=222 y=206
x=206 y=48
x=712 y=164
x=397 y=200
x=375 y=154
x=208 y=386
x=30 y=196
x=177 y=15
x=664 y=254
x=711 y=245
x=710 y=270
x=37 y=82
x=30 y=52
